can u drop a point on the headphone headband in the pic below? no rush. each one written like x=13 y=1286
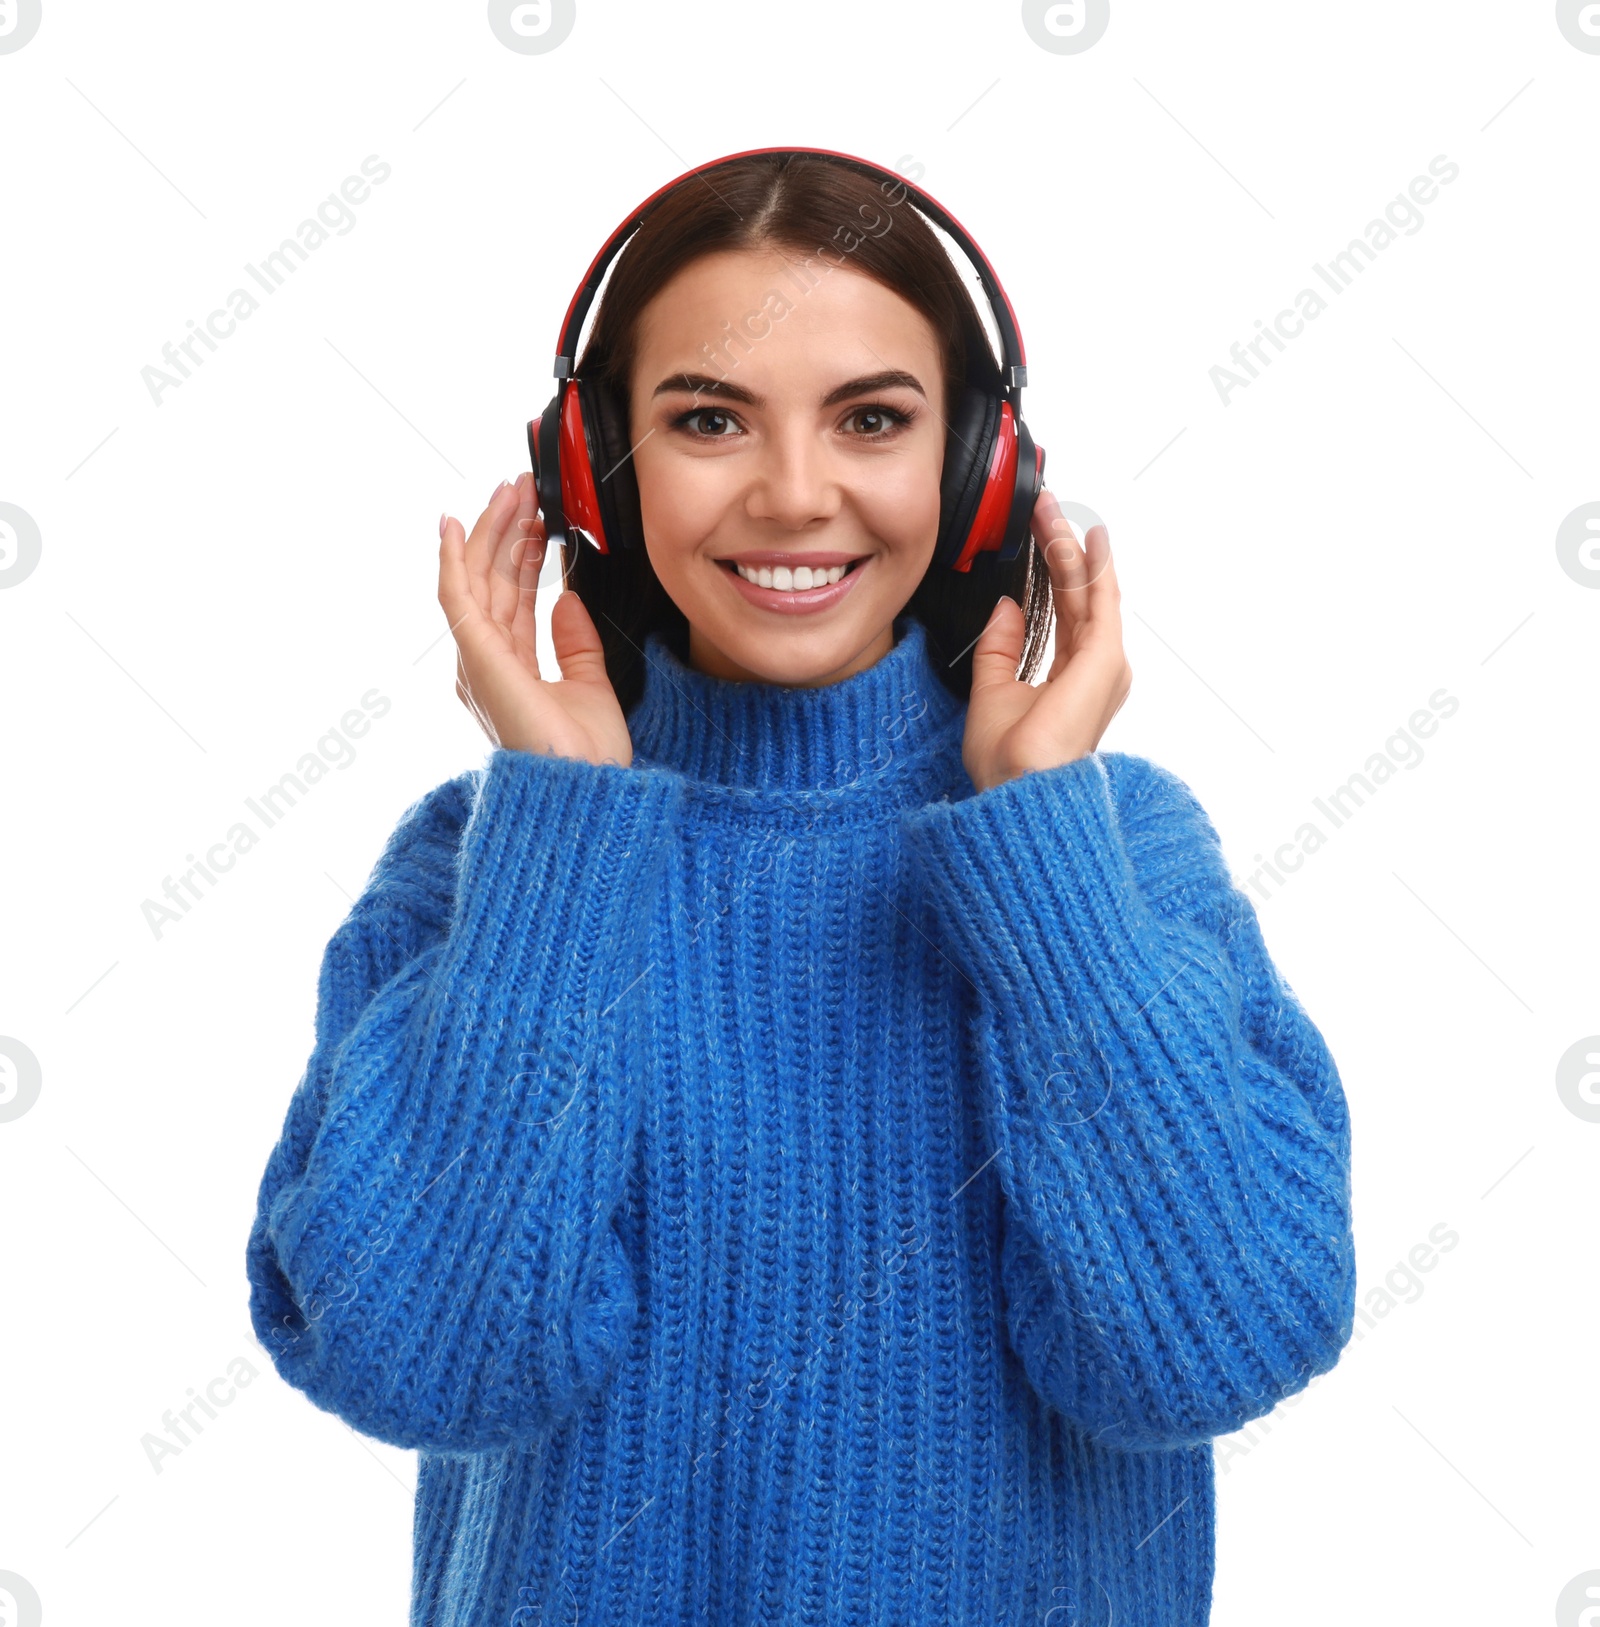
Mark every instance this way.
x=993 y=469
x=1013 y=359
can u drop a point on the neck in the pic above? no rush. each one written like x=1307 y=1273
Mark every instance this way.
x=865 y=733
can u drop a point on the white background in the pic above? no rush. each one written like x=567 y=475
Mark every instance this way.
x=225 y=574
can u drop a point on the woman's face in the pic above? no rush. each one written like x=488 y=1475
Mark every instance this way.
x=817 y=445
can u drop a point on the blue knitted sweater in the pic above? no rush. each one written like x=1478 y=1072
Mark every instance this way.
x=776 y=1183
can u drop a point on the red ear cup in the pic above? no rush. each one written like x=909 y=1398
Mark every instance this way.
x=968 y=451
x=993 y=476
x=583 y=467
x=989 y=524
x=580 y=502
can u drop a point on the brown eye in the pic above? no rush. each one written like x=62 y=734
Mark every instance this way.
x=879 y=423
x=714 y=415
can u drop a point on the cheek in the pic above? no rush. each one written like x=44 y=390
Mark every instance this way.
x=901 y=502
x=680 y=498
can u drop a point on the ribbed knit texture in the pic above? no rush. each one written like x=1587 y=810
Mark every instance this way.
x=774 y=1183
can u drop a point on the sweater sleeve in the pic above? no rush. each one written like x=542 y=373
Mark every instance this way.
x=1168 y=1126
x=433 y=1256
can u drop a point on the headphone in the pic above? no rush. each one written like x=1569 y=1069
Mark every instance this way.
x=993 y=472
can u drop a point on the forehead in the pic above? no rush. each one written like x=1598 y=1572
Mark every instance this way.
x=778 y=312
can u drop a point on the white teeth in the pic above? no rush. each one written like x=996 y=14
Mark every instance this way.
x=790 y=581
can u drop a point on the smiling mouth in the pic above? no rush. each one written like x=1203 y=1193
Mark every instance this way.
x=795 y=579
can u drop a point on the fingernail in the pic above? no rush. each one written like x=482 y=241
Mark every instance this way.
x=496 y=492
x=443 y=520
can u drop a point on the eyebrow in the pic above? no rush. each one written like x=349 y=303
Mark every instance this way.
x=703 y=384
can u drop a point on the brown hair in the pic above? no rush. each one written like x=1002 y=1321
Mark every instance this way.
x=814 y=206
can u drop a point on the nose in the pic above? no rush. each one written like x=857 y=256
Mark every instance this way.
x=795 y=482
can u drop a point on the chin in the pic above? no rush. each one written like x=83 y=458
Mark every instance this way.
x=813 y=650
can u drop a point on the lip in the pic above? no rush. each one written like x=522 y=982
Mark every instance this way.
x=826 y=558
x=800 y=601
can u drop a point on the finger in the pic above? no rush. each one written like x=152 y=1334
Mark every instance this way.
x=1063 y=553
x=466 y=618
x=504 y=566
x=998 y=652
x=579 y=652
x=1104 y=594
x=456 y=597
x=475 y=635
x=524 y=632
x=1080 y=700
x=485 y=537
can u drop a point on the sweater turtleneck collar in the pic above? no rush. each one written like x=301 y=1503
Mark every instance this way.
x=777 y=737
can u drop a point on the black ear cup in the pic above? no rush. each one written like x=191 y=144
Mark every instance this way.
x=968 y=447
x=616 y=482
x=1025 y=493
x=544 y=436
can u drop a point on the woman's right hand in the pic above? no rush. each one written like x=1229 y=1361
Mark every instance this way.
x=488 y=583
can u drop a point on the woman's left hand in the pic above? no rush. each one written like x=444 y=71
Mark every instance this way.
x=1017 y=728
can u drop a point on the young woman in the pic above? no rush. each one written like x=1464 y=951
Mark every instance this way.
x=801 y=1136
